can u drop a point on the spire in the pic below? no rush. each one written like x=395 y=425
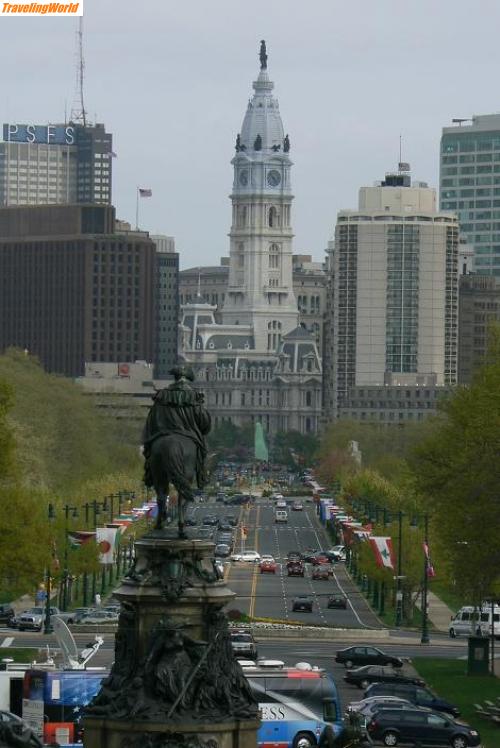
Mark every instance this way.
x=263 y=55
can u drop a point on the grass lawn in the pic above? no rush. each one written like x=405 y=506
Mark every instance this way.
x=19 y=654
x=446 y=593
x=448 y=679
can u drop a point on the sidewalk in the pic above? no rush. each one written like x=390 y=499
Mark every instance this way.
x=438 y=612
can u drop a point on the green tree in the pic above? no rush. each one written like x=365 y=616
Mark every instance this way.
x=458 y=468
x=290 y=447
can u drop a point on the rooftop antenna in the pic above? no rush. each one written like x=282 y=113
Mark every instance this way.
x=199 y=282
x=78 y=113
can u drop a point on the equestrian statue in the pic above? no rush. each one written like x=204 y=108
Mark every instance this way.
x=174 y=444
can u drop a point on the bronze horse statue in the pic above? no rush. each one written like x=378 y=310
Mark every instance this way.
x=174 y=444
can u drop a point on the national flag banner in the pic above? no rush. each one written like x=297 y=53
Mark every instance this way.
x=76 y=538
x=430 y=570
x=105 y=539
x=145 y=192
x=383 y=552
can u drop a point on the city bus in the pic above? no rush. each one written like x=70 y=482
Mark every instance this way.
x=296 y=703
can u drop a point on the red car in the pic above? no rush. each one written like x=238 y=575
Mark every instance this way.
x=267 y=566
x=320 y=559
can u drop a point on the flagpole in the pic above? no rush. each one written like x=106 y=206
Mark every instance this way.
x=424 y=639
x=137 y=209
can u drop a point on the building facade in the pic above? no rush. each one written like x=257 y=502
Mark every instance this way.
x=308 y=280
x=167 y=304
x=47 y=164
x=479 y=306
x=470 y=185
x=393 y=292
x=78 y=293
x=257 y=364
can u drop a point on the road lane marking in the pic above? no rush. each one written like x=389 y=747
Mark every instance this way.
x=7 y=642
x=253 y=592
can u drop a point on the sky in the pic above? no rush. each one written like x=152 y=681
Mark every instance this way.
x=171 y=81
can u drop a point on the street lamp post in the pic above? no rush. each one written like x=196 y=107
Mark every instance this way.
x=399 y=592
x=47 y=624
x=424 y=639
x=74 y=515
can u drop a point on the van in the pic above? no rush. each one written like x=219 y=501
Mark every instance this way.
x=281 y=516
x=471 y=621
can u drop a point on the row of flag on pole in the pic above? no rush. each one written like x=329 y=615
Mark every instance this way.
x=108 y=536
x=355 y=531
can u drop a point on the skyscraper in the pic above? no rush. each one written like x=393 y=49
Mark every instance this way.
x=394 y=299
x=50 y=164
x=166 y=304
x=470 y=185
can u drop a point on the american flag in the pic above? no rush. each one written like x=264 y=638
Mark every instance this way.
x=145 y=192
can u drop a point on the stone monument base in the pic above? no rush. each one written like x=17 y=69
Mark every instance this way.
x=109 y=733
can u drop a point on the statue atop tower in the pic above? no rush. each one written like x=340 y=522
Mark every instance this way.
x=263 y=55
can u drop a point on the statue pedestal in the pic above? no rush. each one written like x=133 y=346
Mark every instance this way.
x=175 y=682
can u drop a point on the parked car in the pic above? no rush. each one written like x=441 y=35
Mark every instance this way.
x=7 y=614
x=393 y=726
x=20 y=730
x=295 y=569
x=302 y=603
x=470 y=621
x=246 y=556
x=99 y=616
x=244 y=645
x=321 y=573
x=222 y=550
x=33 y=619
x=367 y=707
x=418 y=695
x=297 y=506
x=337 y=601
x=366 y=674
x=267 y=565
x=366 y=656
x=77 y=614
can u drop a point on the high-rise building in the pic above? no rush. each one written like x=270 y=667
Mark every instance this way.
x=80 y=292
x=393 y=288
x=167 y=304
x=50 y=164
x=470 y=185
x=257 y=364
x=479 y=306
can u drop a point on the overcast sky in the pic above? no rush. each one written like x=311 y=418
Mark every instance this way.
x=171 y=81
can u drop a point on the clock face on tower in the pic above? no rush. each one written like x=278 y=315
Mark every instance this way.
x=273 y=178
x=243 y=178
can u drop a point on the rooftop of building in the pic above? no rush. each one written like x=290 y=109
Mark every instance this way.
x=476 y=123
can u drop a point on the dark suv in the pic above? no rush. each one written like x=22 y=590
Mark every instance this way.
x=7 y=614
x=418 y=695
x=420 y=727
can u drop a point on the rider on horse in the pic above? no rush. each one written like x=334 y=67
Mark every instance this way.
x=178 y=410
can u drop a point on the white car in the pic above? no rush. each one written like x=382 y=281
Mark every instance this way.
x=281 y=504
x=266 y=558
x=337 y=553
x=278 y=496
x=246 y=556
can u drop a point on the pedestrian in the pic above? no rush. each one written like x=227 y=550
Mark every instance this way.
x=98 y=600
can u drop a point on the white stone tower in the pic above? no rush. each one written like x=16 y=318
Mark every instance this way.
x=260 y=291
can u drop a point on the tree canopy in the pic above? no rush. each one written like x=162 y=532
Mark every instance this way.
x=458 y=468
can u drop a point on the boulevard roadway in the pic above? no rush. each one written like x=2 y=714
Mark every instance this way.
x=271 y=595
